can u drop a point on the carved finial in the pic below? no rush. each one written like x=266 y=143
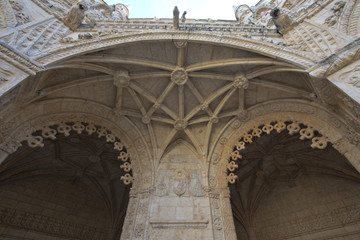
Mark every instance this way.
x=176 y=18
x=183 y=17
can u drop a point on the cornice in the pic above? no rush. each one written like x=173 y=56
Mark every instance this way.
x=82 y=46
x=17 y=59
x=337 y=61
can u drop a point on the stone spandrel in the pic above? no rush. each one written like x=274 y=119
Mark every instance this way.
x=348 y=80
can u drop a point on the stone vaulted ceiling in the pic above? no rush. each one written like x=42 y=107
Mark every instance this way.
x=181 y=108
x=173 y=90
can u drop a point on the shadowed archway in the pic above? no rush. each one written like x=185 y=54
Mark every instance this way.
x=284 y=183
x=68 y=189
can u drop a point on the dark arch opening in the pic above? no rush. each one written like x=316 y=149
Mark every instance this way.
x=286 y=189
x=68 y=189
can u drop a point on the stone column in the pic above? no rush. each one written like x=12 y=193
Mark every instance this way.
x=137 y=216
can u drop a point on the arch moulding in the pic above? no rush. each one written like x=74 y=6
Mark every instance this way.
x=21 y=126
x=65 y=51
x=329 y=127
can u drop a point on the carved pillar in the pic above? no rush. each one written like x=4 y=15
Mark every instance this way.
x=222 y=217
x=229 y=226
x=137 y=216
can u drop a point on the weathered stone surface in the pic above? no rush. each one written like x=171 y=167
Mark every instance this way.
x=218 y=127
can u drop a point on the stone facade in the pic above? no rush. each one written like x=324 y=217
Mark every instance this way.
x=121 y=128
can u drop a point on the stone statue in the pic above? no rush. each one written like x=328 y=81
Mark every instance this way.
x=183 y=17
x=120 y=12
x=176 y=18
x=90 y=11
x=281 y=20
x=75 y=16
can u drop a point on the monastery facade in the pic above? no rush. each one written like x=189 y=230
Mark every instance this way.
x=120 y=128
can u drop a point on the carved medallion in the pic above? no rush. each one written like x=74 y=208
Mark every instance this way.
x=179 y=76
x=180 y=187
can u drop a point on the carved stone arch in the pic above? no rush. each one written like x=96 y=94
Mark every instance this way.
x=261 y=18
x=349 y=19
x=52 y=57
x=76 y=117
x=327 y=124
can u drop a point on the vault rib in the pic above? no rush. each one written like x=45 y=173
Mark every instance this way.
x=152 y=99
x=109 y=58
x=181 y=101
x=272 y=69
x=235 y=61
x=84 y=65
x=208 y=100
x=282 y=87
x=160 y=99
x=214 y=76
x=137 y=101
x=198 y=96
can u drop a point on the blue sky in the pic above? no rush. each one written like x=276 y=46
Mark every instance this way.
x=198 y=9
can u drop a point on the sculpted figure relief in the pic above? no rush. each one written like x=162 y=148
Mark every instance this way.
x=75 y=16
x=337 y=9
x=57 y=5
x=353 y=77
x=281 y=20
x=21 y=16
x=90 y=11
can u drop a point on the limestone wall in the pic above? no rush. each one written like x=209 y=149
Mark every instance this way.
x=316 y=208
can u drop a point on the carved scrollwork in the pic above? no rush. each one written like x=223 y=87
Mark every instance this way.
x=119 y=146
x=48 y=132
x=336 y=12
x=78 y=127
x=127 y=178
x=218 y=223
x=307 y=133
x=231 y=178
x=34 y=141
x=90 y=129
x=232 y=166
x=279 y=126
x=123 y=156
x=64 y=129
x=126 y=166
x=319 y=142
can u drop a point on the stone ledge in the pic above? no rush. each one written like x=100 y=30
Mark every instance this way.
x=179 y=223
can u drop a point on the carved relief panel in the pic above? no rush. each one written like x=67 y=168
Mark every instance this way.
x=348 y=80
x=180 y=173
x=34 y=29
x=179 y=205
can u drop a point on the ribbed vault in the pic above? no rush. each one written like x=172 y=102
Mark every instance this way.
x=167 y=88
